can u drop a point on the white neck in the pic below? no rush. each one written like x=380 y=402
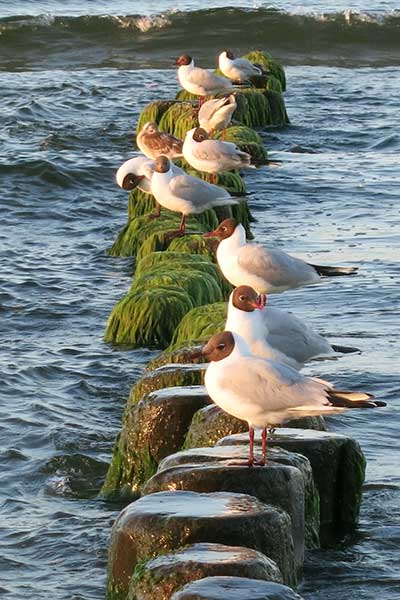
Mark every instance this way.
x=249 y=325
x=230 y=245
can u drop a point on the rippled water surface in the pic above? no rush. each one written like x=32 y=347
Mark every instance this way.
x=63 y=132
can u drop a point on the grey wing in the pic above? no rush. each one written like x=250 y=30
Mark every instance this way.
x=215 y=150
x=292 y=336
x=247 y=65
x=272 y=385
x=194 y=189
x=208 y=79
x=275 y=266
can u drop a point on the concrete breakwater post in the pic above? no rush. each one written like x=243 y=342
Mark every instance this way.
x=203 y=519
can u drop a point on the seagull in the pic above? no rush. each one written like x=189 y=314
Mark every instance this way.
x=267 y=270
x=273 y=333
x=153 y=142
x=185 y=194
x=216 y=114
x=237 y=69
x=212 y=156
x=138 y=172
x=267 y=393
x=200 y=82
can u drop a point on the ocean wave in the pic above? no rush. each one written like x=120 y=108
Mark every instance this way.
x=157 y=37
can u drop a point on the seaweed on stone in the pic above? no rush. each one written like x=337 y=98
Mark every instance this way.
x=153 y=112
x=200 y=324
x=271 y=64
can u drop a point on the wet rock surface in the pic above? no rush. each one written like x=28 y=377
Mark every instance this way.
x=162 y=576
x=227 y=454
x=153 y=428
x=158 y=523
x=338 y=466
x=234 y=588
x=276 y=484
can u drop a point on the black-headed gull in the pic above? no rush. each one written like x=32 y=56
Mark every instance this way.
x=216 y=114
x=153 y=142
x=212 y=156
x=267 y=393
x=185 y=194
x=267 y=270
x=138 y=172
x=237 y=69
x=273 y=333
x=198 y=81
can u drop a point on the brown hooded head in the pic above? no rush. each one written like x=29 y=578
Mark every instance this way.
x=219 y=346
x=224 y=229
x=246 y=299
x=131 y=181
x=200 y=134
x=162 y=164
x=184 y=59
x=230 y=54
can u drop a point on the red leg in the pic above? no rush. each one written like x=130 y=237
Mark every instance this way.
x=200 y=102
x=183 y=224
x=223 y=134
x=251 y=447
x=261 y=463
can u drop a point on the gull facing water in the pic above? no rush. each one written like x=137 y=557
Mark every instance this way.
x=185 y=194
x=267 y=393
x=237 y=69
x=273 y=333
x=153 y=142
x=267 y=270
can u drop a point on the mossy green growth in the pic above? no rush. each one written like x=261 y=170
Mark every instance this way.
x=152 y=234
x=200 y=324
x=238 y=134
x=203 y=288
x=182 y=354
x=140 y=203
x=278 y=109
x=194 y=244
x=271 y=64
x=153 y=112
x=148 y=317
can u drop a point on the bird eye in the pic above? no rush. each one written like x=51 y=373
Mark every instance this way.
x=223 y=228
x=242 y=298
x=221 y=346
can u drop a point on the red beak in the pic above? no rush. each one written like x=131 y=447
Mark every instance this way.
x=261 y=301
x=210 y=234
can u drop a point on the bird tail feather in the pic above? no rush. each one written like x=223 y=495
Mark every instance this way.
x=334 y=271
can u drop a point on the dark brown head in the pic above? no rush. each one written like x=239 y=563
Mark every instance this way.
x=184 y=59
x=247 y=299
x=200 y=134
x=162 y=164
x=224 y=229
x=219 y=346
x=130 y=181
x=150 y=127
x=229 y=54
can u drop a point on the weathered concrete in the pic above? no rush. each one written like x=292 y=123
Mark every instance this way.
x=159 y=578
x=276 y=484
x=159 y=523
x=338 y=466
x=229 y=454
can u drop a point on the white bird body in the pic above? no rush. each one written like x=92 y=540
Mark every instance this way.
x=142 y=168
x=202 y=82
x=237 y=69
x=213 y=156
x=186 y=194
x=277 y=335
x=216 y=114
x=264 y=392
x=267 y=270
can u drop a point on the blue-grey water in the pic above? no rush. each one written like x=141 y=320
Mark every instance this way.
x=70 y=95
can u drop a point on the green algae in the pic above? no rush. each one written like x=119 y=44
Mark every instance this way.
x=153 y=112
x=200 y=324
x=271 y=64
x=148 y=317
x=277 y=107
